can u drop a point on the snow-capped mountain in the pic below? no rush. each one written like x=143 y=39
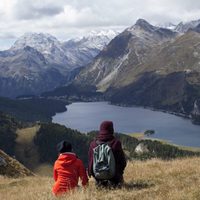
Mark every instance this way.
x=38 y=62
x=167 y=25
x=184 y=27
x=123 y=54
x=149 y=66
x=71 y=54
x=82 y=50
x=98 y=40
x=40 y=41
x=47 y=45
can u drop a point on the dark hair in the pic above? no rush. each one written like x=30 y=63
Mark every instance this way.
x=64 y=146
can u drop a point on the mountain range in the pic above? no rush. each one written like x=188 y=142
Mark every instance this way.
x=144 y=65
x=127 y=51
x=38 y=62
x=149 y=66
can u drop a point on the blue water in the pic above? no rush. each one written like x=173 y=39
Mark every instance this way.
x=88 y=116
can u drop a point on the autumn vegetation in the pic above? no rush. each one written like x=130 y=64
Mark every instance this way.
x=153 y=179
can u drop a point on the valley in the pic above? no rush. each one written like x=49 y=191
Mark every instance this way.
x=144 y=65
x=122 y=74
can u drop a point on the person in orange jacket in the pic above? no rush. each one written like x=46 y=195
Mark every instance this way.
x=67 y=170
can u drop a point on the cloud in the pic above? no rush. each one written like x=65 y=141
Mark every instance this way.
x=68 y=18
x=36 y=9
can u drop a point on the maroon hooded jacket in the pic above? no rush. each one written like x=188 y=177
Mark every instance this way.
x=106 y=135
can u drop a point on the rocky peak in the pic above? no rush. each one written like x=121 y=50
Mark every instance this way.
x=94 y=40
x=184 y=27
x=144 y=25
x=143 y=29
x=40 y=41
x=167 y=25
x=29 y=53
x=196 y=29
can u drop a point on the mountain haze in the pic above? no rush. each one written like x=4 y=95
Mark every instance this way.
x=184 y=27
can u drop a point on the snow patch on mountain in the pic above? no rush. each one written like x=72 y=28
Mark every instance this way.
x=104 y=83
x=184 y=27
x=167 y=25
x=40 y=41
x=74 y=53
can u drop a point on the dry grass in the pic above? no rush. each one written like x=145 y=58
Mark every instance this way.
x=149 y=180
x=25 y=148
x=12 y=168
x=137 y=135
x=27 y=151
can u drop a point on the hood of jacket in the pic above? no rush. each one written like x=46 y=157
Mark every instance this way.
x=67 y=158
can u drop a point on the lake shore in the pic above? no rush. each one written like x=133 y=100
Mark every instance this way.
x=86 y=116
x=141 y=136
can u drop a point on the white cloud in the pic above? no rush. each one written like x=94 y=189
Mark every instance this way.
x=67 y=18
x=27 y=10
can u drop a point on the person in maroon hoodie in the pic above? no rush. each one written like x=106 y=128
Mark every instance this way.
x=67 y=170
x=106 y=134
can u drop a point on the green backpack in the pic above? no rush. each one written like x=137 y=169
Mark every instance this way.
x=103 y=162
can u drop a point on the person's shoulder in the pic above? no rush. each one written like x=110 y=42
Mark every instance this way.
x=116 y=143
x=56 y=163
x=93 y=143
x=79 y=161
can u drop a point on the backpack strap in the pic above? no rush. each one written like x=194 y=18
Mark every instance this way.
x=98 y=142
x=101 y=142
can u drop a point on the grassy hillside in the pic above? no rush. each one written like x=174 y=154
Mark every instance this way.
x=144 y=180
x=10 y=167
x=49 y=135
x=25 y=148
x=35 y=146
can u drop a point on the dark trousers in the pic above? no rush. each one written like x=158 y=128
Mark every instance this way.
x=117 y=181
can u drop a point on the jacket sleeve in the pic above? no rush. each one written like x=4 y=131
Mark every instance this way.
x=90 y=158
x=83 y=174
x=120 y=157
x=55 y=174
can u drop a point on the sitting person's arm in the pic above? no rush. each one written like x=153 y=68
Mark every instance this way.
x=55 y=174
x=83 y=174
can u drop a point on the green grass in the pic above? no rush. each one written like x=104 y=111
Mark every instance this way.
x=194 y=149
x=137 y=135
x=141 y=136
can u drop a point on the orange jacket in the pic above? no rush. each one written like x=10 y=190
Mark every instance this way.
x=67 y=170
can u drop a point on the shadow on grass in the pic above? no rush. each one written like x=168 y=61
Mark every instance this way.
x=138 y=185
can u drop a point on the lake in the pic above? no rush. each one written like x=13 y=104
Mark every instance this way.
x=88 y=116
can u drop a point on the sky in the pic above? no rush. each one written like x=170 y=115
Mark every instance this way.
x=66 y=19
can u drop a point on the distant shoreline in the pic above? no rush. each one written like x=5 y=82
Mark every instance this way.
x=154 y=109
x=137 y=106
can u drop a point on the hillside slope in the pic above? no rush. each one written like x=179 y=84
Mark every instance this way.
x=124 y=54
x=149 y=66
x=154 y=179
x=10 y=167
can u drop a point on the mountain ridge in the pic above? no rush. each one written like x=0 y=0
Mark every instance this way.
x=38 y=62
x=140 y=72
x=128 y=50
